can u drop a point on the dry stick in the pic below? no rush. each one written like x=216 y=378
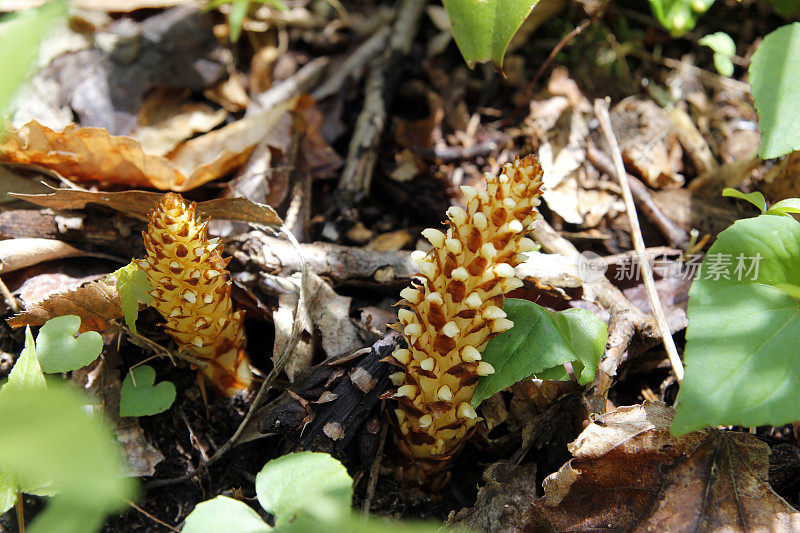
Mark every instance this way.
x=601 y=111
x=11 y=302
x=353 y=64
x=676 y=235
x=374 y=469
x=381 y=86
x=268 y=381
x=561 y=44
x=151 y=517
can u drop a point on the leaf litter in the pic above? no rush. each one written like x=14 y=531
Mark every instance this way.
x=121 y=114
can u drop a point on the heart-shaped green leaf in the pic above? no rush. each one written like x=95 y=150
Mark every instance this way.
x=144 y=398
x=133 y=287
x=301 y=481
x=742 y=358
x=224 y=514
x=483 y=28
x=60 y=348
x=539 y=344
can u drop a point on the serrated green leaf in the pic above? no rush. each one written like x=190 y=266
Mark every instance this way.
x=304 y=481
x=133 y=287
x=224 y=514
x=540 y=342
x=59 y=348
x=144 y=398
x=742 y=362
x=48 y=435
x=720 y=42
x=755 y=198
x=775 y=85
x=482 y=29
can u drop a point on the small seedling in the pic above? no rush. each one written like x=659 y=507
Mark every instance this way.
x=141 y=397
x=724 y=49
x=60 y=348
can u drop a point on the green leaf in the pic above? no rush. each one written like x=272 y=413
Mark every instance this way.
x=60 y=348
x=742 y=362
x=66 y=515
x=133 y=287
x=483 y=28
x=48 y=435
x=20 y=36
x=786 y=8
x=723 y=64
x=303 y=481
x=720 y=42
x=679 y=16
x=144 y=398
x=26 y=372
x=775 y=85
x=236 y=17
x=790 y=205
x=224 y=514
x=755 y=198
x=8 y=492
x=540 y=342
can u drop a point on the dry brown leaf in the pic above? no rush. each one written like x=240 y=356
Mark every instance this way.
x=167 y=120
x=97 y=303
x=21 y=253
x=630 y=474
x=93 y=155
x=138 y=203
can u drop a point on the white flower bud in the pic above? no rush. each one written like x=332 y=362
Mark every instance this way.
x=465 y=410
x=444 y=393
x=479 y=221
x=457 y=215
x=453 y=245
x=397 y=378
x=409 y=391
x=435 y=237
x=459 y=274
x=450 y=329
x=425 y=421
x=493 y=312
x=473 y=300
x=428 y=364
x=484 y=369
x=470 y=354
x=402 y=355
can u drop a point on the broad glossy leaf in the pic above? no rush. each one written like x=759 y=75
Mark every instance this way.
x=224 y=514
x=742 y=360
x=775 y=84
x=299 y=481
x=540 y=343
x=483 y=28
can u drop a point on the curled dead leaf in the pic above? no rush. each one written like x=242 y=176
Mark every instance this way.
x=138 y=203
x=94 y=155
x=96 y=304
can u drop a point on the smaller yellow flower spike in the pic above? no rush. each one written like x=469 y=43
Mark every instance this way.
x=453 y=310
x=192 y=291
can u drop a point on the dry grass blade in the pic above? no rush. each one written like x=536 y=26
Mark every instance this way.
x=601 y=110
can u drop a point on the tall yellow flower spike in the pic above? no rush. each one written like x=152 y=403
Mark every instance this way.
x=192 y=291
x=453 y=311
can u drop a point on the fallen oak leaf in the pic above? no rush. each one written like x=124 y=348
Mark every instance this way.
x=138 y=203
x=60 y=348
x=96 y=304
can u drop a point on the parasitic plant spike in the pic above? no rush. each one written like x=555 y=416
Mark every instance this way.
x=453 y=310
x=192 y=291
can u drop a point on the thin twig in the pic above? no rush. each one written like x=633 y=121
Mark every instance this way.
x=151 y=517
x=374 y=470
x=561 y=44
x=11 y=302
x=601 y=111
